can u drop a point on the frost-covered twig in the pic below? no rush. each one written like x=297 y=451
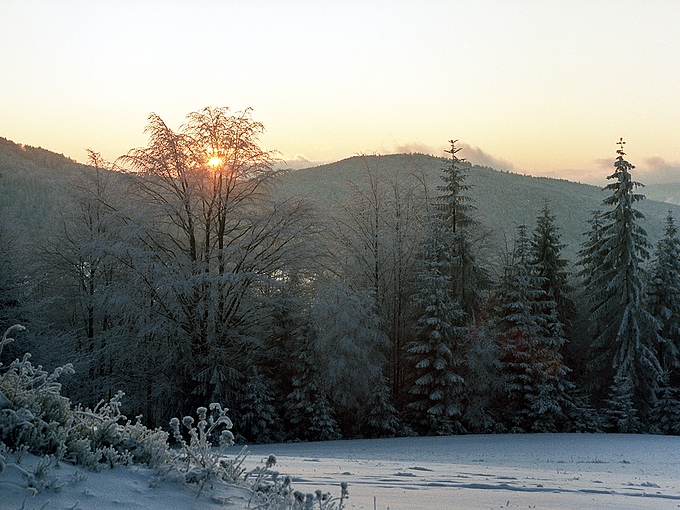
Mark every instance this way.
x=7 y=340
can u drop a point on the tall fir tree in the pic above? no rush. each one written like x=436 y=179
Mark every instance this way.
x=554 y=404
x=530 y=337
x=436 y=356
x=468 y=278
x=663 y=298
x=625 y=333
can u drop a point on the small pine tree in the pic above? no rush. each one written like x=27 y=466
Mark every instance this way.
x=583 y=417
x=435 y=353
x=260 y=421
x=666 y=412
x=620 y=413
x=308 y=408
x=382 y=419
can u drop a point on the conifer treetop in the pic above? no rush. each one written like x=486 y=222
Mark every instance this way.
x=455 y=206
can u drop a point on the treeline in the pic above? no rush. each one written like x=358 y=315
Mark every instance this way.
x=177 y=275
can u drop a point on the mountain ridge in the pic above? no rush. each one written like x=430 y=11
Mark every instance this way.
x=503 y=199
x=32 y=180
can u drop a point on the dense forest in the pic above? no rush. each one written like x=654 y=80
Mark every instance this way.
x=183 y=274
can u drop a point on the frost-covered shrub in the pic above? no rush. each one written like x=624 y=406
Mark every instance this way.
x=197 y=460
x=103 y=436
x=32 y=411
x=280 y=496
x=273 y=492
x=36 y=418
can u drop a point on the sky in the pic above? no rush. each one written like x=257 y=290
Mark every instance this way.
x=537 y=87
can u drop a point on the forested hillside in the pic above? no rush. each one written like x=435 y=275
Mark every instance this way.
x=504 y=200
x=35 y=179
x=31 y=182
x=376 y=296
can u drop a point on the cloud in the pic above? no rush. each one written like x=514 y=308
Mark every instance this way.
x=299 y=161
x=419 y=148
x=606 y=164
x=656 y=170
x=655 y=162
x=651 y=171
x=477 y=156
x=473 y=154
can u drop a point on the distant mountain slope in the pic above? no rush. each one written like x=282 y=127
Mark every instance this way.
x=31 y=181
x=504 y=200
x=668 y=192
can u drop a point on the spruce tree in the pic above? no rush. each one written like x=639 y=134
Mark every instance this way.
x=666 y=412
x=663 y=298
x=382 y=419
x=530 y=337
x=556 y=393
x=549 y=264
x=435 y=353
x=468 y=279
x=308 y=408
x=260 y=421
x=625 y=334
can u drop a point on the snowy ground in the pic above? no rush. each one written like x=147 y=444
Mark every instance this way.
x=546 y=471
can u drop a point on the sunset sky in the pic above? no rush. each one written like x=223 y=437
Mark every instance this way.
x=539 y=87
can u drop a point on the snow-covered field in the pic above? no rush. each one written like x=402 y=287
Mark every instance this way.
x=565 y=471
x=545 y=471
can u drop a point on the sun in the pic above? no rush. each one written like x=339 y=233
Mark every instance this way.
x=214 y=162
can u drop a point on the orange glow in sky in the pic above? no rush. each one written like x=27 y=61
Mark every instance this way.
x=540 y=87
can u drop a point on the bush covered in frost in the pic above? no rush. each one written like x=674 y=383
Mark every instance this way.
x=36 y=418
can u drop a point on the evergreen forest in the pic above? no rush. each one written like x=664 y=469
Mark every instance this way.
x=367 y=298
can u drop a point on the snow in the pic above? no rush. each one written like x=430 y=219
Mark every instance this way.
x=543 y=471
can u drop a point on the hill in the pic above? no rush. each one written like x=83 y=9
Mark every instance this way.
x=504 y=200
x=33 y=181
